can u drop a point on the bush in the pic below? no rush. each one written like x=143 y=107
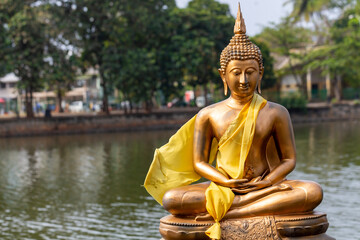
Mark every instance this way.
x=294 y=101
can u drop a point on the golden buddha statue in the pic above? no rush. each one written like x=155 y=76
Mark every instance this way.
x=252 y=141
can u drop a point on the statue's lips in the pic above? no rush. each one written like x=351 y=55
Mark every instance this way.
x=244 y=88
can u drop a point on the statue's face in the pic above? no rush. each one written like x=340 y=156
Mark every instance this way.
x=242 y=77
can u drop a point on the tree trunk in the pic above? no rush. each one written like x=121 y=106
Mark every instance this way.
x=338 y=87
x=148 y=106
x=125 y=104
x=59 y=97
x=28 y=103
x=105 y=105
x=149 y=103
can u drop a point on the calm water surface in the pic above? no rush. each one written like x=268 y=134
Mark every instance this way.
x=89 y=186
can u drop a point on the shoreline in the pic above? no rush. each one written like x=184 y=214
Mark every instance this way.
x=159 y=119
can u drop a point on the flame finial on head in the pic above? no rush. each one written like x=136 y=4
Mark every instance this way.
x=240 y=46
x=239 y=26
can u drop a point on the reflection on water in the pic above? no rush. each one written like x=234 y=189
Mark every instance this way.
x=329 y=154
x=89 y=186
x=76 y=187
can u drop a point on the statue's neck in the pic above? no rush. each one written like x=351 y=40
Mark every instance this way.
x=237 y=102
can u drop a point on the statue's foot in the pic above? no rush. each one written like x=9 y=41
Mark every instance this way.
x=284 y=187
x=204 y=217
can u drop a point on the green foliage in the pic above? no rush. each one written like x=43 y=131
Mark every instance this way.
x=90 y=26
x=31 y=48
x=340 y=57
x=25 y=43
x=284 y=37
x=346 y=36
x=294 y=101
x=203 y=30
x=307 y=9
x=268 y=79
x=139 y=58
x=287 y=40
x=154 y=50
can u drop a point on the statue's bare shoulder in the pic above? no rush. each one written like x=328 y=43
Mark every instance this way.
x=275 y=113
x=215 y=118
x=212 y=112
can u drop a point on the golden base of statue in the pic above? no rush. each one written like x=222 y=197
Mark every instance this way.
x=298 y=226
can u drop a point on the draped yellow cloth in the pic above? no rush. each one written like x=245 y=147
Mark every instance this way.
x=173 y=163
x=233 y=149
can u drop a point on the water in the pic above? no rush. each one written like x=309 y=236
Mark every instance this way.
x=89 y=186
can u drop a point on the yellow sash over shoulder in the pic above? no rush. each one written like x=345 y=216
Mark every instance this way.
x=232 y=152
x=173 y=163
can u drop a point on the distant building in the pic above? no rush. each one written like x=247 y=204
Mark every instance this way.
x=318 y=86
x=86 y=89
x=9 y=95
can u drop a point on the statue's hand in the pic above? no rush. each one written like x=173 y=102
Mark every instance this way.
x=234 y=183
x=253 y=185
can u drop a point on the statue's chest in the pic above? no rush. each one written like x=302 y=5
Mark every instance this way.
x=263 y=127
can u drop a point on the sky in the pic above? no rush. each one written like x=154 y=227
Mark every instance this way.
x=257 y=13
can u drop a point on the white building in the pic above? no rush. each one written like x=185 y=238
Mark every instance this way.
x=86 y=89
x=9 y=95
x=318 y=86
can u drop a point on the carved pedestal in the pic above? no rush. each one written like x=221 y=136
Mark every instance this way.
x=304 y=226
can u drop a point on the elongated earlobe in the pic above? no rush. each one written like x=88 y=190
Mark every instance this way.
x=259 y=86
x=222 y=75
x=225 y=89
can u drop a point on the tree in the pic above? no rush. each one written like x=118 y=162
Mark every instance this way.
x=202 y=32
x=90 y=24
x=331 y=54
x=4 y=40
x=25 y=54
x=290 y=41
x=268 y=79
x=340 y=58
x=144 y=52
x=61 y=62
x=60 y=73
x=346 y=36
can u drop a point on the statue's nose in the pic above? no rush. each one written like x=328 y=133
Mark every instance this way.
x=243 y=79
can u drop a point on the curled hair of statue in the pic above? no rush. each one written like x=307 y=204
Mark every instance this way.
x=240 y=46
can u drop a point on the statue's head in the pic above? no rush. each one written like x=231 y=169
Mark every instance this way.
x=240 y=49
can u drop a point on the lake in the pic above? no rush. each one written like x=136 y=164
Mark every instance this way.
x=89 y=186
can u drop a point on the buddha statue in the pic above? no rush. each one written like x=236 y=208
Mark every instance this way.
x=252 y=142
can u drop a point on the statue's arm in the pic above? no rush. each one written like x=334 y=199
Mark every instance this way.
x=203 y=135
x=285 y=144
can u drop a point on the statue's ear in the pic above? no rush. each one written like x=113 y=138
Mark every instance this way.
x=259 y=82
x=261 y=74
x=222 y=75
x=224 y=82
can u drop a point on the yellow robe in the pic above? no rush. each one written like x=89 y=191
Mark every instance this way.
x=172 y=165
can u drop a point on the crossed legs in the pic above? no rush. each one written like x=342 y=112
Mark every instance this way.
x=290 y=196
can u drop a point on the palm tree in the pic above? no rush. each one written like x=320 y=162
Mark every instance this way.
x=317 y=11
x=307 y=9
